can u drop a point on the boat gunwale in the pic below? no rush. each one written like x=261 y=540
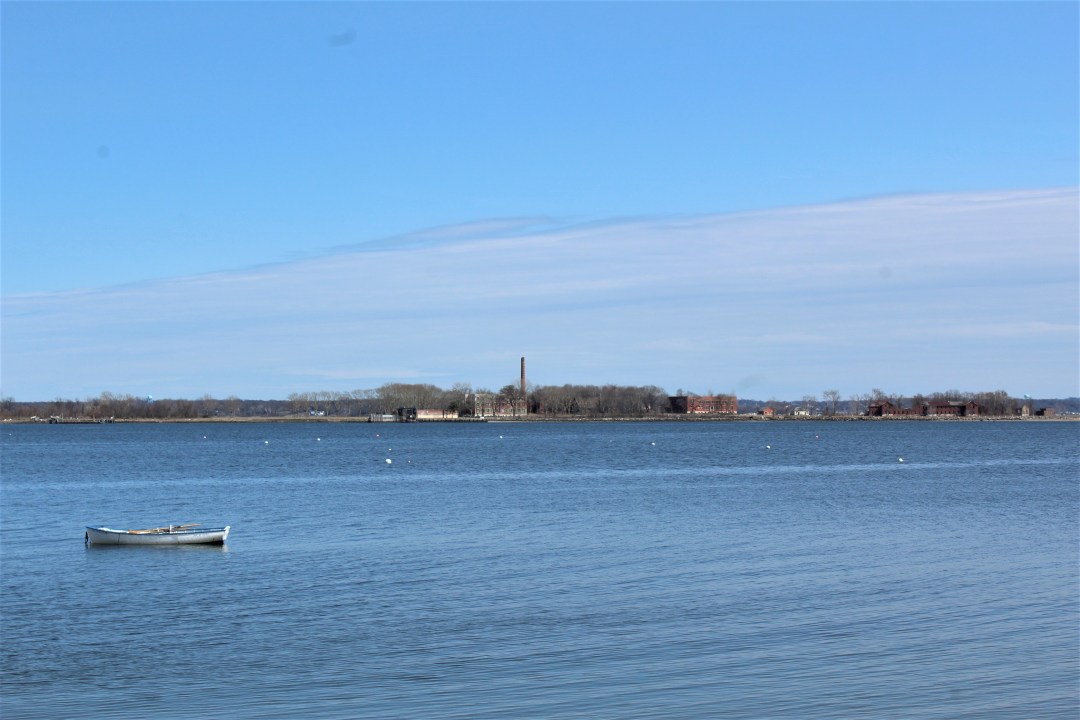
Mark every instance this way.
x=144 y=533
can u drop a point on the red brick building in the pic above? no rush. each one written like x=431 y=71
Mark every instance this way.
x=936 y=408
x=886 y=408
x=953 y=408
x=704 y=404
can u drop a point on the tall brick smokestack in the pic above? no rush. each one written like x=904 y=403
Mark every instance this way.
x=523 y=396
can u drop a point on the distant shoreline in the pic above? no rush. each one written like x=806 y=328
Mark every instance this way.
x=541 y=419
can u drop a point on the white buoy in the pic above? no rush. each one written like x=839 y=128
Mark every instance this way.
x=901 y=459
x=768 y=447
x=266 y=442
x=389 y=461
x=653 y=444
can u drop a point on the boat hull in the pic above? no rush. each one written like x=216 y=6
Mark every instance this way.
x=203 y=536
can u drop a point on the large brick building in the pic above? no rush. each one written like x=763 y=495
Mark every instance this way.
x=937 y=408
x=488 y=405
x=704 y=404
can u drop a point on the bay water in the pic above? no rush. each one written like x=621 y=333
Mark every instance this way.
x=775 y=569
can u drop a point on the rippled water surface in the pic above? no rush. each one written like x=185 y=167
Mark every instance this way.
x=600 y=570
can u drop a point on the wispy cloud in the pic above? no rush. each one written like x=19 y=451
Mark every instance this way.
x=950 y=288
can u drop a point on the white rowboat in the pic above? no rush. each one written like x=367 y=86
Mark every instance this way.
x=168 y=535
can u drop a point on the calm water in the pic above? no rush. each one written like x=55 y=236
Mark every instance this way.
x=652 y=570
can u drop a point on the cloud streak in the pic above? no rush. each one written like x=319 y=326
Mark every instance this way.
x=910 y=293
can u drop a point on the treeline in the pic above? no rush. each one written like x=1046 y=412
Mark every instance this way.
x=565 y=401
x=996 y=402
x=591 y=401
x=832 y=403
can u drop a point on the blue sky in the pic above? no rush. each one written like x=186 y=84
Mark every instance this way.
x=265 y=198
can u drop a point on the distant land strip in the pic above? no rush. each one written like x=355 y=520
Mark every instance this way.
x=402 y=402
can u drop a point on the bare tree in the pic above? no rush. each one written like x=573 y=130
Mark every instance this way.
x=832 y=401
x=858 y=404
x=299 y=403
